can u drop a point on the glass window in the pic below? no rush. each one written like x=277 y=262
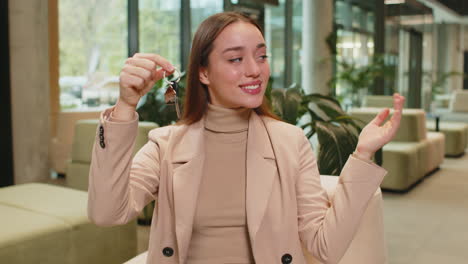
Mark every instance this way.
x=201 y=9
x=342 y=13
x=370 y=22
x=274 y=37
x=159 y=28
x=358 y=17
x=297 y=42
x=93 y=47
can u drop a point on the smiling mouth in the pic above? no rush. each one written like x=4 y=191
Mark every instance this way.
x=252 y=88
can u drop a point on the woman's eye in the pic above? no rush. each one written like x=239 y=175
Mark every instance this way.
x=236 y=60
x=264 y=57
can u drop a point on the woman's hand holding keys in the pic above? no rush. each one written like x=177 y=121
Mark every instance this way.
x=138 y=76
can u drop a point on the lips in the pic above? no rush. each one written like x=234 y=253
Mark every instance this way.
x=253 y=88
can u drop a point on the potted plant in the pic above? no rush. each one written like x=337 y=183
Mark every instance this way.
x=357 y=78
x=337 y=132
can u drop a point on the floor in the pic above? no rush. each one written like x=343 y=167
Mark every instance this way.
x=427 y=225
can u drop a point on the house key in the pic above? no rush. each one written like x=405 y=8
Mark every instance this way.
x=170 y=96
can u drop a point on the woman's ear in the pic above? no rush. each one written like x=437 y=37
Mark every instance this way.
x=203 y=76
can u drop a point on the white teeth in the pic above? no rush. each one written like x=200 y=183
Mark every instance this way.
x=251 y=87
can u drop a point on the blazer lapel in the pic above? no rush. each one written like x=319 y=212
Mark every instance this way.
x=187 y=161
x=261 y=173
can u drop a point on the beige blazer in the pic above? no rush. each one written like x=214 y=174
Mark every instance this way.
x=286 y=205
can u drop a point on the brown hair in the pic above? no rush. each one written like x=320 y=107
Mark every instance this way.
x=197 y=96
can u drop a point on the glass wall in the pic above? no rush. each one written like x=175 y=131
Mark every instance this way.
x=201 y=9
x=94 y=36
x=355 y=46
x=92 y=47
x=159 y=28
x=274 y=37
x=297 y=42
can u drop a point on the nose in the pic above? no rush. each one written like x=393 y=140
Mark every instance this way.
x=252 y=67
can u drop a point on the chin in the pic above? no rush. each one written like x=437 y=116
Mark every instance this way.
x=253 y=102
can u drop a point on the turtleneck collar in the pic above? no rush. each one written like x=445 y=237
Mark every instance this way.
x=220 y=119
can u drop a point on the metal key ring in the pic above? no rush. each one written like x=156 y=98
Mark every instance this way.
x=168 y=82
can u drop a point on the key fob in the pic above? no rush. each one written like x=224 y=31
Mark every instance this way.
x=170 y=95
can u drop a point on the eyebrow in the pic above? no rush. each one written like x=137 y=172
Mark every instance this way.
x=237 y=48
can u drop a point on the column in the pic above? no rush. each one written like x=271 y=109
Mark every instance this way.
x=317 y=25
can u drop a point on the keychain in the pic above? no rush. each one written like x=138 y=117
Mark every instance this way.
x=170 y=96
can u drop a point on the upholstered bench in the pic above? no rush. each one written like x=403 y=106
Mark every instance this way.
x=456 y=136
x=43 y=223
x=409 y=162
x=368 y=245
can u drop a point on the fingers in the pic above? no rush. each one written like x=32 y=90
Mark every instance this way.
x=398 y=101
x=149 y=62
x=132 y=81
x=380 y=118
x=143 y=73
x=159 y=74
x=395 y=121
x=158 y=60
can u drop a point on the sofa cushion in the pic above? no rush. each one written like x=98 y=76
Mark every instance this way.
x=58 y=208
x=26 y=235
x=21 y=225
x=435 y=151
x=456 y=136
x=402 y=161
x=378 y=101
x=413 y=122
x=60 y=202
x=77 y=175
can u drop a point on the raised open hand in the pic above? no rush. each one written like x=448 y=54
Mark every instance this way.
x=375 y=135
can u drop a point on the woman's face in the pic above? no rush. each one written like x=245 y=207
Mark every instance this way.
x=238 y=69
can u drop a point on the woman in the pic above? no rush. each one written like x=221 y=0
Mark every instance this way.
x=232 y=183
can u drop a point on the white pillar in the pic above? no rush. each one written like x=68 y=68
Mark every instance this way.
x=317 y=25
x=450 y=54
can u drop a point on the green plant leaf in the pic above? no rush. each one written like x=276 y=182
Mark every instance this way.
x=337 y=142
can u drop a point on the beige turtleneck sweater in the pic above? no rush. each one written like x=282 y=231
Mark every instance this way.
x=220 y=226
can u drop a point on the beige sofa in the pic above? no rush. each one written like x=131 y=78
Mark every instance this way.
x=412 y=154
x=368 y=245
x=43 y=223
x=456 y=136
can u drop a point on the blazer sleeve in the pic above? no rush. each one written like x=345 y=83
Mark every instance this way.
x=120 y=188
x=327 y=227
